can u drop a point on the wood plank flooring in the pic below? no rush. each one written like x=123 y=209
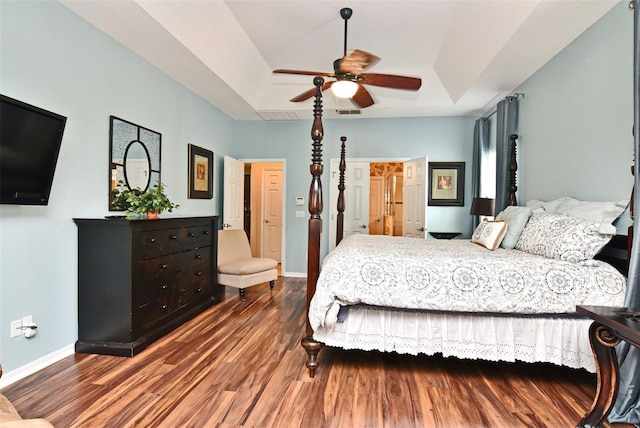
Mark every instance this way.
x=241 y=365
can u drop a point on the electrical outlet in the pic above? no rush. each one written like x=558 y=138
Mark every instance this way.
x=28 y=320
x=16 y=329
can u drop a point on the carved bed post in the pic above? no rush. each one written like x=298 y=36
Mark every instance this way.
x=340 y=207
x=315 y=224
x=513 y=167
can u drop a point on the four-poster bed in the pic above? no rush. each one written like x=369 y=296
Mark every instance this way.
x=556 y=335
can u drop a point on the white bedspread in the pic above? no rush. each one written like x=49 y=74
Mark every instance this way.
x=456 y=275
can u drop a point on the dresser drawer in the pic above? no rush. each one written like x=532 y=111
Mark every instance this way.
x=198 y=236
x=147 y=315
x=196 y=256
x=159 y=267
x=149 y=291
x=192 y=291
x=157 y=242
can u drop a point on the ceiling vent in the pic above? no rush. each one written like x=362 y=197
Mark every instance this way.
x=347 y=111
x=278 y=115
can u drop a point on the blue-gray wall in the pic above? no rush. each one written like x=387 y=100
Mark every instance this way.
x=55 y=60
x=577 y=115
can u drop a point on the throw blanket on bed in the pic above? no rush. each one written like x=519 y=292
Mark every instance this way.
x=456 y=275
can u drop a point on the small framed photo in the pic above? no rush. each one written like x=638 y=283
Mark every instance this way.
x=447 y=184
x=200 y=173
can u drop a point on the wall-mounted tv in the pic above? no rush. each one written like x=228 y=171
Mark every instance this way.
x=30 y=139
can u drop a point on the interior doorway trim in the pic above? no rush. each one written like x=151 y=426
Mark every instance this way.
x=282 y=161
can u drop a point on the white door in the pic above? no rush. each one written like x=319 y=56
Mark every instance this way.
x=414 y=220
x=272 y=214
x=356 y=212
x=233 y=209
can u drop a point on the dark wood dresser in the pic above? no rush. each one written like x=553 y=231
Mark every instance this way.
x=139 y=279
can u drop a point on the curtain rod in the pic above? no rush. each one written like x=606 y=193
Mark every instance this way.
x=516 y=96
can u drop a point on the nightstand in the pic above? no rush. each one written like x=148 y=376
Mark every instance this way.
x=444 y=235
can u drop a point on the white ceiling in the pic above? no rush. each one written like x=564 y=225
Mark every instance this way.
x=469 y=54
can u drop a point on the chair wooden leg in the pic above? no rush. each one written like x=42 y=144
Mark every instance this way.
x=241 y=290
x=271 y=284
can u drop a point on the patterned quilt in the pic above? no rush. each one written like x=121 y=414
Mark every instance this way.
x=456 y=275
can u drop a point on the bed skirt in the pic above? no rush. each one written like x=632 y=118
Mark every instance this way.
x=561 y=340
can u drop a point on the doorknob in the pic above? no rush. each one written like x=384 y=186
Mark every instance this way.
x=421 y=229
x=266 y=221
x=363 y=226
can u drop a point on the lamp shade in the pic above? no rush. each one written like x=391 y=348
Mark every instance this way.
x=482 y=206
x=344 y=88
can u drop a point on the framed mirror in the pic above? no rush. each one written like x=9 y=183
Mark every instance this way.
x=134 y=158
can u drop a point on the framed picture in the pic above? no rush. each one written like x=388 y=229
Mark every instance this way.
x=200 y=173
x=447 y=184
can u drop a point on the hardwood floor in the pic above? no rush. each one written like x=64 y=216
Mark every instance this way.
x=241 y=364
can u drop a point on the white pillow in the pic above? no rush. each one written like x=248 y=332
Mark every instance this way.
x=517 y=218
x=604 y=213
x=558 y=236
x=489 y=234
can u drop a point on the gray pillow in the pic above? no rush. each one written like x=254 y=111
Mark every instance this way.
x=558 y=236
x=605 y=213
x=517 y=218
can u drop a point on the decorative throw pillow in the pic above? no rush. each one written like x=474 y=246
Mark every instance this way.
x=605 y=213
x=489 y=234
x=558 y=236
x=517 y=218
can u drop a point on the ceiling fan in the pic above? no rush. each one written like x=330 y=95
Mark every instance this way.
x=350 y=76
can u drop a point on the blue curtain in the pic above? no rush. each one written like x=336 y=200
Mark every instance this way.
x=480 y=150
x=627 y=405
x=507 y=124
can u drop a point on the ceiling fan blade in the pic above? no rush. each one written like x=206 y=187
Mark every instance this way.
x=392 y=81
x=362 y=98
x=357 y=61
x=303 y=72
x=309 y=93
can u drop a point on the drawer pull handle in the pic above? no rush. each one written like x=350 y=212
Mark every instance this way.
x=163 y=266
x=184 y=290
x=163 y=287
x=151 y=240
x=199 y=273
x=205 y=233
x=198 y=256
x=163 y=307
x=191 y=234
x=173 y=237
x=199 y=290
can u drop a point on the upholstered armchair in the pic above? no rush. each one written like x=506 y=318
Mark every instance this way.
x=9 y=416
x=237 y=267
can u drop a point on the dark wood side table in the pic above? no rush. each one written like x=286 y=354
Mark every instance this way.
x=610 y=326
x=444 y=235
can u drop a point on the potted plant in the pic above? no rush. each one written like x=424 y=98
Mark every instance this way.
x=137 y=203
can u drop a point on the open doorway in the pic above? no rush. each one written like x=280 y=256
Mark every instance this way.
x=385 y=198
x=263 y=206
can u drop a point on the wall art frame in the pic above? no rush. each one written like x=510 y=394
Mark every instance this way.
x=446 y=186
x=200 y=173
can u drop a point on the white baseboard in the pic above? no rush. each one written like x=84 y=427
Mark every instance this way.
x=295 y=274
x=29 y=369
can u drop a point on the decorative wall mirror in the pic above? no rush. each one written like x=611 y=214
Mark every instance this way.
x=134 y=158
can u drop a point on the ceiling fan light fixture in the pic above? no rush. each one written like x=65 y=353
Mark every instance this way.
x=344 y=88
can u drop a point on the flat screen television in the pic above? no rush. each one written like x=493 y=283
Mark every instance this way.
x=30 y=139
